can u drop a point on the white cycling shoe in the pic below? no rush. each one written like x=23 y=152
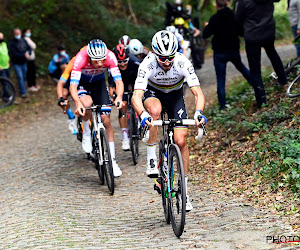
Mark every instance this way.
x=152 y=170
x=125 y=145
x=73 y=126
x=188 y=205
x=116 y=169
x=87 y=143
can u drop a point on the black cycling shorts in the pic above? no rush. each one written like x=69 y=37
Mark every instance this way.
x=172 y=102
x=97 y=90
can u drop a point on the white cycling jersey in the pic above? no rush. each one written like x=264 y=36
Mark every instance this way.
x=166 y=81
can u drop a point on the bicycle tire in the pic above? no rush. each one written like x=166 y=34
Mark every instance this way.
x=79 y=128
x=96 y=154
x=163 y=176
x=107 y=162
x=133 y=136
x=7 y=92
x=295 y=84
x=177 y=196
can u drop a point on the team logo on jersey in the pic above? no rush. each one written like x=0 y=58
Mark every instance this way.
x=151 y=66
x=180 y=112
x=191 y=70
x=175 y=72
x=142 y=73
x=160 y=73
x=181 y=64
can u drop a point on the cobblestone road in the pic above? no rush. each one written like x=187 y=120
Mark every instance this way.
x=50 y=198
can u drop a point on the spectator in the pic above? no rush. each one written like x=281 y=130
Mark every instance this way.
x=175 y=11
x=4 y=64
x=31 y=69
x=226 y=46
x=58 y=63
x=257 y=24
x=294 y=17
x=19 y=51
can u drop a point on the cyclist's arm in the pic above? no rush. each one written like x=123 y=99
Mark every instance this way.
x=199 y=98
x=137 y=101
x=119 y=92
x=59 y=88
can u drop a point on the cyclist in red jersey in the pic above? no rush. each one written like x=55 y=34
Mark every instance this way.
x=88 y=86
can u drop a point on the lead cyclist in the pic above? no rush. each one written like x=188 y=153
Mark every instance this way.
x=160 y=83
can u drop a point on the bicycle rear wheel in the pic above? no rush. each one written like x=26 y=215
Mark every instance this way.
x=7 y=92
x=107 y=162
x=163 y=172
x=134 y=136
x=293 y=89
x=177 y=196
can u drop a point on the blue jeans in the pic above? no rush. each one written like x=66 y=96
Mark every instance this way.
x=294 y=30
x=21 y=70
x=220 y=62
x=5 y=73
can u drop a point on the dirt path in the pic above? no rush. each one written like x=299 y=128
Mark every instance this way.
x=50 y=197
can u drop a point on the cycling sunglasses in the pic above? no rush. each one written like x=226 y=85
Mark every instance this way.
x=123 y=61
x=98 y=60
x=164 y=59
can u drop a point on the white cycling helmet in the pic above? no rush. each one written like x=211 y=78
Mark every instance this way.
x=97 y=49
x=136 y=47
x=171 y=28
x=164 y=43
x=124 y=40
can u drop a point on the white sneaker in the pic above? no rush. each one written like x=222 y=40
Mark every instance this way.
x=33 y=89
x=87 y=143
x=152 y=170
x=73 y=126
x=117 y=171
x=189 y=205
x=125 y=145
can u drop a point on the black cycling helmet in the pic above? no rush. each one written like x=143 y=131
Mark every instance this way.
x=61 y=47
x=121 y=52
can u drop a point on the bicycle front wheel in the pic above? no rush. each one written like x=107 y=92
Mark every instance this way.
x=97 y=158
x=7 y=92
x=177 y=194
x=107 y=162
x=293 y=89
x=133 y=135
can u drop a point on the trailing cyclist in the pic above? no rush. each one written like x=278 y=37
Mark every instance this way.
x=137 y=49
x=160 y=84
x=62 y=90
x=128 y=68
x=88 y=86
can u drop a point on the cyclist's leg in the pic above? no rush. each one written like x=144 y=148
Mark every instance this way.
x=123 y=120
x=153 y=105
x=100 y=96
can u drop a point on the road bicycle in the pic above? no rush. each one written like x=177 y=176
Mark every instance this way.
x=171 y=173
x=7 y=92
x=292 y=71
x=100 y=154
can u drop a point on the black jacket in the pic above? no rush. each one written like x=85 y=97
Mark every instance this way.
x=223 y=27
x=17 y=49
x=255 y=18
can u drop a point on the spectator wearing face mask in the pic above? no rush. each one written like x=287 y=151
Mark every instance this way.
x=4 y=65
x=31 y=68
x=58 y=63
x=174 y=11
x=19 y=51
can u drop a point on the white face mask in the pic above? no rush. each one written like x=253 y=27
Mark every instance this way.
x=28 y=34
x=18 y=37
x=62 y=53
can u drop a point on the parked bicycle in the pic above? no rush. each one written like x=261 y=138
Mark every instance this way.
x=100 y=154
x=7 y=92
x=171 y=173
x=292 y=71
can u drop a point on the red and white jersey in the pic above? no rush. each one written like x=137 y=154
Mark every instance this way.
x=84 y=70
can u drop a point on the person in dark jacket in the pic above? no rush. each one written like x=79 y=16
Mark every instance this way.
x=226 y=46
x=258 y=28
x=19 y=51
